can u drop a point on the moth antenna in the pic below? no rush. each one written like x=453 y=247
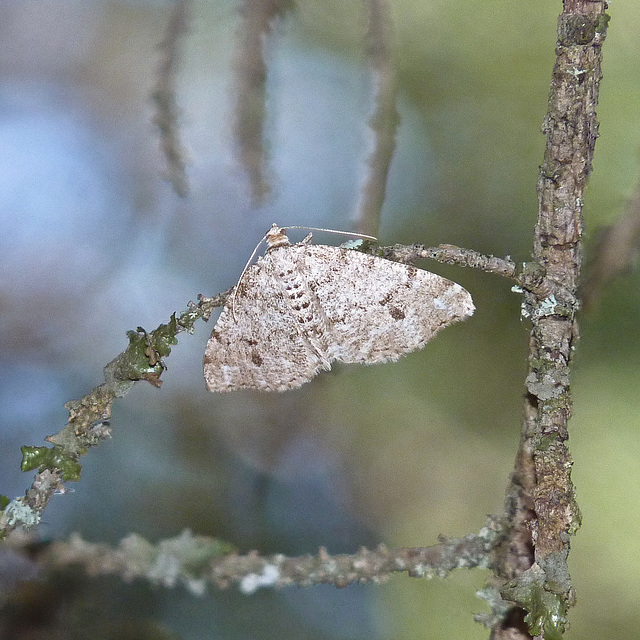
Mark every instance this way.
x=246 y=266
x=336 y=231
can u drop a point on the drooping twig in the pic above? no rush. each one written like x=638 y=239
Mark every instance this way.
x=164 y=96
x=258 y=17
x=540 y=500
x=385 y=119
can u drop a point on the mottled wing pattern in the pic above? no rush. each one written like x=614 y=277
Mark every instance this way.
x=377 y=309
x=258 y=344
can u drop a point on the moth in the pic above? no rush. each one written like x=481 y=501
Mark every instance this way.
x=301 y=307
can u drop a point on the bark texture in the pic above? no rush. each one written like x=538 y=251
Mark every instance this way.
x=541 y=500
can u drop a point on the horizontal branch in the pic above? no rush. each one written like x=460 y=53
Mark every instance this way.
x=198 y=561
x=450 y=254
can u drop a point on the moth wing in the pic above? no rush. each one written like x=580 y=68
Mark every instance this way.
x=379 y=309
x=257 y=345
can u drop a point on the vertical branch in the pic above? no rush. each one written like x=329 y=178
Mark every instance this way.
x=542 y=490
x=385 y=119
x=250 y=79
x=164 y=96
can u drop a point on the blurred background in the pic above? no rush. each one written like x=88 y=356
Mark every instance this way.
x=95 y=242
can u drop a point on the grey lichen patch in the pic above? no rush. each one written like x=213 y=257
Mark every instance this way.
x=547 y=386
x=546 y=441
x=269 y=577
x=499 y=607
x=183 y=560
x=17 y=511
x=424 y=571
x=547 y=307
x=556 y=572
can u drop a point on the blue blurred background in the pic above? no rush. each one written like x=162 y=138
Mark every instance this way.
x=94 y=242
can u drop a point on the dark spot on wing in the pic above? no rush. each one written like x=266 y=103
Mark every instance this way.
x=395 y=312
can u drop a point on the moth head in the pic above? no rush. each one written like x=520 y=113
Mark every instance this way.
x=276 y=237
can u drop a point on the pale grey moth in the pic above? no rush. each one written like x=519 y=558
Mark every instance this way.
x=302 y=306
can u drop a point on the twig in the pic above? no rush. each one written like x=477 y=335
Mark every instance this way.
x=88 y=417
x=450 y=254
x=164 y=96
x=196 y=561
x=385 y=119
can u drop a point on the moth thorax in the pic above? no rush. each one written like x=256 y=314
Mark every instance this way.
x=276 y=237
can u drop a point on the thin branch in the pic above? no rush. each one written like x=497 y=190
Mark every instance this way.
x=541 y=498
x=195 y=561
x=450 y=254
x=164 y=96
x=385 y=119
x=88 y=422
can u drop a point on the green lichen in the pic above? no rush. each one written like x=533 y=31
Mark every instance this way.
x=546 y=615
x=603 y=23
x=4 y=501
x=140 y=360
x=546 y=441
x=547 y=611
x=164 y=336
x=143 y=358
x=55 y=458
